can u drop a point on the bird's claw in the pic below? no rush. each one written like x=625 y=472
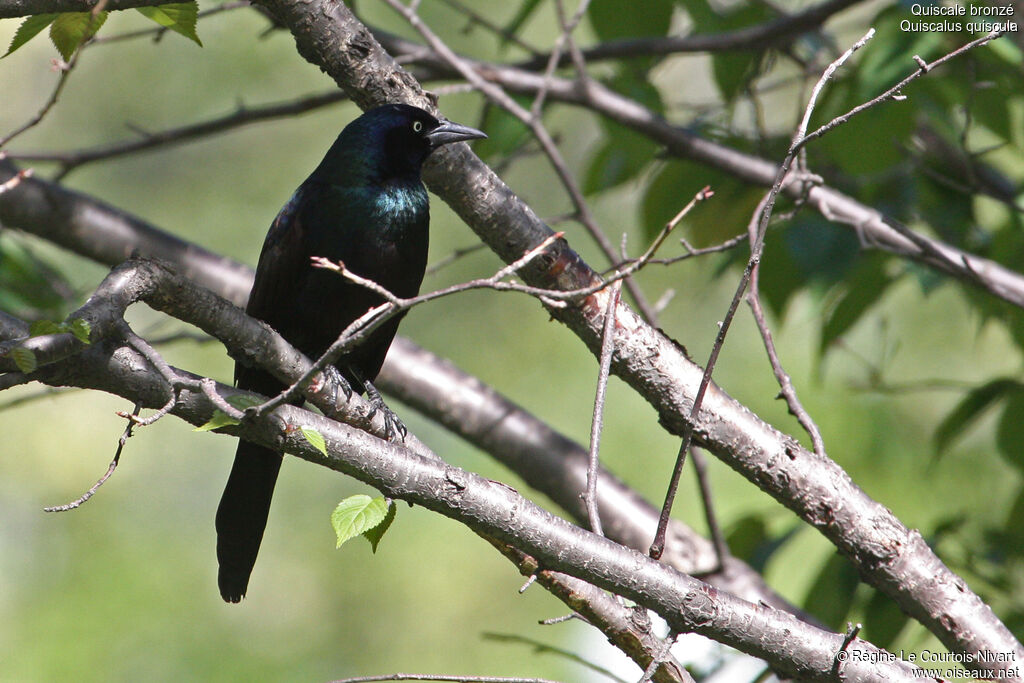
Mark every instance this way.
x=334 y=379
x=393 y=426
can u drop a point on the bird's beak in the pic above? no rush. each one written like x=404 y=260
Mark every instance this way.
x=449 y=132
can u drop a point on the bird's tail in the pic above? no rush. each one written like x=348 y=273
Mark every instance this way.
x=242 y=516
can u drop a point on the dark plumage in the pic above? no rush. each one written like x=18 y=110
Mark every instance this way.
x=364 y=205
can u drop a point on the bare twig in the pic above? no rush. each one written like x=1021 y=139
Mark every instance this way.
x=242 y=116
x=895 y=91
x=597 y=422
x=15 y=180
x=106 y=475
x=65 y=69
x=457 y=254
x=761 y=217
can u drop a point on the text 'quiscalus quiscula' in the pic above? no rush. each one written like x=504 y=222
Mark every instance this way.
x=365 y=206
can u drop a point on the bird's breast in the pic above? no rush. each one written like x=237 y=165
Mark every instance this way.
x=400 y=205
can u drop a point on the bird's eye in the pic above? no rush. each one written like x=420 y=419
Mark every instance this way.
x=417 y=126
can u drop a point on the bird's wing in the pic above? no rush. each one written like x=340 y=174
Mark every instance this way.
x=282 y=270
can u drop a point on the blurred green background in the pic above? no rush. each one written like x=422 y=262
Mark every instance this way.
x=124 y=588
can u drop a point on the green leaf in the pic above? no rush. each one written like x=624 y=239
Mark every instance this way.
x=315 y=439
x=613 y=19
x=861 y=290
x=24 y=359
x=732 y=70
x=376 y=533
x=1010 y=431
x=970 y=409
x=29 y=29
x=221 y=419
x=525 y=12
x=179 y=17
x=623 y=156
x=71 y=29
x=80 y=328
x=356 y=515
x=883 y=620
x=29 y=286
x=41 y=327
x=831 y=595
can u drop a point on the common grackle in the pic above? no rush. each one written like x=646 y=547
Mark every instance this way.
x=366 y=206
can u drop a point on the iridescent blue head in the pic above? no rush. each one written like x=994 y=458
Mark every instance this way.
x=388 y=144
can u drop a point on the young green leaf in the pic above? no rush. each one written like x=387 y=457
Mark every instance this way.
x=24 y=359
x=179 y=17
x=356 y=515
x=70 y=29
x=80 y=328
x=315 y=439
x=41 y=327
x=221 y=419
x=28 y=30
x=376 y=533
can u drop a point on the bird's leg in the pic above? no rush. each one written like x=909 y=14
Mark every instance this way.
x=392 y=424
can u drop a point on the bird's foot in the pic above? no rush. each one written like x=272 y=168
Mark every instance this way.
x=393 y=426
x=332 y=377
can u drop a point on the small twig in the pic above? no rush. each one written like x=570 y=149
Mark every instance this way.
x=359 y=329
x=564 y=40
x=242 y=116
x=209 y=389
x=110 y=469
x=480 y=20
x=65 y=70
x=894 y=91
x=597 y=423
x=839 y=661
x=762 y=215
x=530 y=580
x=560 y=620
x=15 y=180
x=659 y=657
x=454 y=256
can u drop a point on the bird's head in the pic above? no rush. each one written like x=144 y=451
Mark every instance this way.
x=392 y=141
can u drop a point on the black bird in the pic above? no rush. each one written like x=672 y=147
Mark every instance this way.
x=366 y=206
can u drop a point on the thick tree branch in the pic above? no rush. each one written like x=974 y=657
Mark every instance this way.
x=890 y=556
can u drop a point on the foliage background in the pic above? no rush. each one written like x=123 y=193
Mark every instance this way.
x=124 y=588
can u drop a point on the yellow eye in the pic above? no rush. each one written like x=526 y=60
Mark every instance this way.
x=417 y=126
